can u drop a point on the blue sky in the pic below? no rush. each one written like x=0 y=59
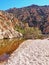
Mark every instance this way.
x=6 y=4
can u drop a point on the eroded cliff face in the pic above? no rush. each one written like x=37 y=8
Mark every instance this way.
x=34 y=15
x=7 y=24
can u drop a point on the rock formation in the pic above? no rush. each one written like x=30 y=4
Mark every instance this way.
x=31 y=52
x=7 y=23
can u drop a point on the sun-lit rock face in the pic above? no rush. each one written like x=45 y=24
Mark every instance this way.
x=31 y=52
x=7 y=23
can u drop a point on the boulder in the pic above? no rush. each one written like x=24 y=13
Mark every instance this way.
x=31 y=52
x=10 y=34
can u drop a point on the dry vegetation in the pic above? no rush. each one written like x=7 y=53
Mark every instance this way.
x=30 y=32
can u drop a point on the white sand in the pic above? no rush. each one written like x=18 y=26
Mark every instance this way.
x=31 y=52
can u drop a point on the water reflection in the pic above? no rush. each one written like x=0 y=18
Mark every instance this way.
x=7 y=46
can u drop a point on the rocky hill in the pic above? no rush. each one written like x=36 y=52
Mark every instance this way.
x=7 y=24
x=36 y=16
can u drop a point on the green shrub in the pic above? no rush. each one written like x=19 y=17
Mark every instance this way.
x=19 y=29
x=35 y=32
x=29 y=32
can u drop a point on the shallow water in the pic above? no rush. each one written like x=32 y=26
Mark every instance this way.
x=7 y=46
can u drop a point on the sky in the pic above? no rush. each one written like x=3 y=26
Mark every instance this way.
x=6 y=4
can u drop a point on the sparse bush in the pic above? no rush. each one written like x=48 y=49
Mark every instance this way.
x=33 y=32
x=30 y=32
